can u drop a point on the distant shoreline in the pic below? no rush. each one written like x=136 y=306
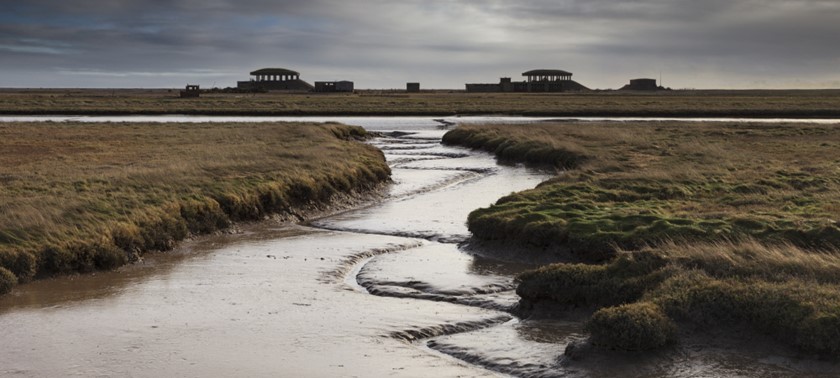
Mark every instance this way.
x=662 y=104
x=397 y=113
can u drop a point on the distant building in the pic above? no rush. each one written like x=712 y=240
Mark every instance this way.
x=641 y=85
x=191 y=91
x=412 y=87
x=538 y=81
x=334 y=86
x=274 y=79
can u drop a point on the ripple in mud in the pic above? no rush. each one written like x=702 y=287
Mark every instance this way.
x=433 y=268
x=439 y=215
x=396 y=161
x=339 y=273
x=437 y=272
x=426 y=152
x=414 y=334
x=409 y=182
x=504 y=349
x=407 y=147
x=472 y=162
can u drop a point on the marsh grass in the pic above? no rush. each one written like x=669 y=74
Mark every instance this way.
x=783 y=291
x=722 y=225
x=79 y=197
x=629 y=185
x=824 y=103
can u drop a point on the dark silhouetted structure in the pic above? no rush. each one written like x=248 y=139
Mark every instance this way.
x=412 y=87
x=334 y=86
x=274 y=79
x=538 y=81
x=641 y=85
x=547 y=75
x=190 y=91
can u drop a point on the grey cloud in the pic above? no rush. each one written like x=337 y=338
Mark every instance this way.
x=442 y=43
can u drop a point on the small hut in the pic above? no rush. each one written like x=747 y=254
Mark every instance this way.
x=191 y=91
x=641 y=85
x=334 y=86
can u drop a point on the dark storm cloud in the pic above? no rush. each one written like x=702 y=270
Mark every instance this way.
x=378 y=43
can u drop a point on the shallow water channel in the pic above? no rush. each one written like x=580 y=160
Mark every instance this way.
x=382 y=290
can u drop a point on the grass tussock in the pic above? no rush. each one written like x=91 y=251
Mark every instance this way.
x=7 y=280
x=711 y=224
x=632 y=327
x=783 y=291
x=79 y=197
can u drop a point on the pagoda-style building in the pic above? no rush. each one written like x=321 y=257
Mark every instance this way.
x=547 y=75
x=541 y=80
x=274 y=79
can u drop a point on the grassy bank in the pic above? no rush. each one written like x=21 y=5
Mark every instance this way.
x=718 y=224
x=823 y=103
x=78 y=197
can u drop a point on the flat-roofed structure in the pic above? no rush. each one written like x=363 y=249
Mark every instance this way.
x=334 y=86
x=412 y=87
x=191 y=91
x=275 y=79
x=641 y=85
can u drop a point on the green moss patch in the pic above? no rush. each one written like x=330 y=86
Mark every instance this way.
x=638 y=184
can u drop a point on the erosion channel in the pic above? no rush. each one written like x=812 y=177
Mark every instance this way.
x=382 y=290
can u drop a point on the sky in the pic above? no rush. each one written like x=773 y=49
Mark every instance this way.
x=725 y=44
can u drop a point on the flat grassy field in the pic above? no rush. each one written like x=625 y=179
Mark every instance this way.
x=717 y=224
x=789 y=103
x=77 y=197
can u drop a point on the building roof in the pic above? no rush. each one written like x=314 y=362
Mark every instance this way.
x=544 y=72
x=274 y=71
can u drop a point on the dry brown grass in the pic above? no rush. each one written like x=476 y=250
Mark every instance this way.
x=72 y=188
x=755 y=260
x=677 y=103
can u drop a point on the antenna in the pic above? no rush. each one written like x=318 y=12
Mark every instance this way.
x=660 y=79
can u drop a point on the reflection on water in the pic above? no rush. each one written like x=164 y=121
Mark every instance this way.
x=379 y=291
x=63 y=291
